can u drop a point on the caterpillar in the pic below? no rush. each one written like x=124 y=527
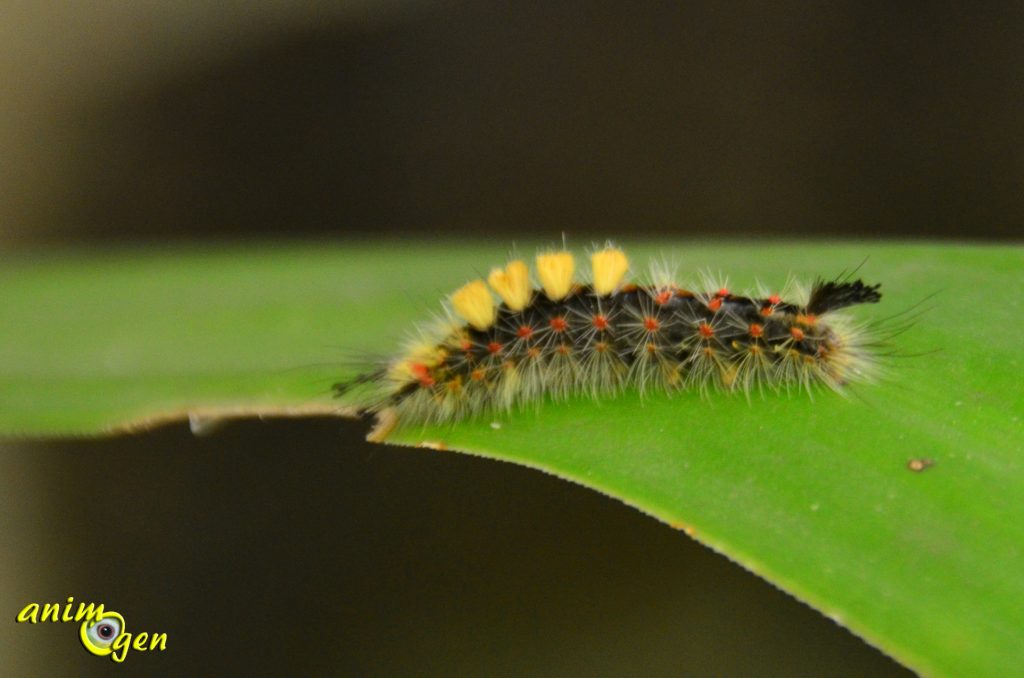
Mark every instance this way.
x=604 y=335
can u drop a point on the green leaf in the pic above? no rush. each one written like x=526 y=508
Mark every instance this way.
x=816 y=496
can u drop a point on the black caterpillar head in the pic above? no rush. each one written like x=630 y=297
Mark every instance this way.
x=829 y=296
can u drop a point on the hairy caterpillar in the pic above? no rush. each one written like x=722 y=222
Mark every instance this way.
x=606 y=335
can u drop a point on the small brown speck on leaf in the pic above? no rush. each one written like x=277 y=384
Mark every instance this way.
x=918 y=465
x=688 y=529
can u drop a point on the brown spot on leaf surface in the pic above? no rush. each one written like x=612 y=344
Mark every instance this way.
x=690 y=530
x=919 y=465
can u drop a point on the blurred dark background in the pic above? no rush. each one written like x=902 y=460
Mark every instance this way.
x=183 y=120
x=295 y=548
x=273 y=547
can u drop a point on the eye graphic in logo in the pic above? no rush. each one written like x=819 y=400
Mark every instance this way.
x=99 y=634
